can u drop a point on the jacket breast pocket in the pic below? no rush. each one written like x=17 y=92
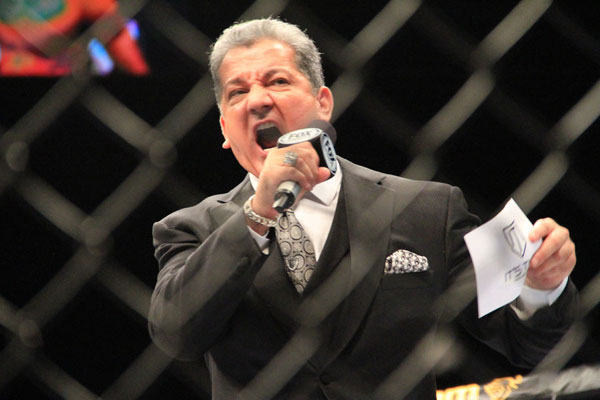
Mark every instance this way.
x=408 y=280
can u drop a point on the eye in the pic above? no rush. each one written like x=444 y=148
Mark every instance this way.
x=279 y=81
x=236 y=92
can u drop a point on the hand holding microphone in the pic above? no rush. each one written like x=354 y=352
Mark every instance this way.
x=302 y=159
x=317 y=135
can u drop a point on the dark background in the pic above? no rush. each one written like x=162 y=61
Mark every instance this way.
x=89 y=163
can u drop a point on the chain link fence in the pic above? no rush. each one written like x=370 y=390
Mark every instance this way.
x=499 y=98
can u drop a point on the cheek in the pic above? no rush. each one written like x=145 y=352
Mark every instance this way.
x=244 y=148
x=303 y=112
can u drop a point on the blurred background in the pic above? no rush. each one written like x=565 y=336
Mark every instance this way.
x=108 y=123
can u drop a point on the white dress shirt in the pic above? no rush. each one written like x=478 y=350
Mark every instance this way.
x=315 y=213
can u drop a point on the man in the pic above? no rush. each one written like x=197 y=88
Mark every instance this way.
x=227 y=291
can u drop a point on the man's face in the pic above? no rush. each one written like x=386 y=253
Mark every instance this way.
x=263 y=87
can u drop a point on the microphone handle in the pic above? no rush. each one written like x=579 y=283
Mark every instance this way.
x=286 y=194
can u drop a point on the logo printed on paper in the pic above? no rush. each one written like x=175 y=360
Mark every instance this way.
x=515 y=240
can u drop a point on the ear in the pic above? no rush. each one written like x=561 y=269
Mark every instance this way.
x=325 y=103
x=226 y=144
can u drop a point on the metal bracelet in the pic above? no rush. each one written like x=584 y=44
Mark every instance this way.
x=255 y=217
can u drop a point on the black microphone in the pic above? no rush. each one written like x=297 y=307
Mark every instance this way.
x=321 y=135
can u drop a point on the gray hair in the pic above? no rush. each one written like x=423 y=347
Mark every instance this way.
x=308 y=58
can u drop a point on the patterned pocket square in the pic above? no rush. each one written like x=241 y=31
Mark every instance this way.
x=404 y=261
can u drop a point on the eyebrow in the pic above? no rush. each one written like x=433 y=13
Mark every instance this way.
x=267 y=75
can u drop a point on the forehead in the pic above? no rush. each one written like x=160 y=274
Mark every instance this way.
x=259 y=57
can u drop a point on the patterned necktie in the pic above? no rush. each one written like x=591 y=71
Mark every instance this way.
x=296 y=248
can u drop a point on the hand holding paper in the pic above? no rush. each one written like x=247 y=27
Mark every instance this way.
x=555 y=260
x=502 y=249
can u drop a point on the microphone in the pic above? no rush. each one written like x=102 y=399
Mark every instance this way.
x=321 y=135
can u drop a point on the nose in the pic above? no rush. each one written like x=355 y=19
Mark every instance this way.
x=259 y=101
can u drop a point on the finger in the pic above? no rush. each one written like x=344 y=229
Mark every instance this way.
x=304 y=173
x=308 y=152
x=284 y=164
x=555 y=240
x=542 y=228
x=323 y=174
x=308 y=164
x=565 y=256
x=550 y=278
x=314 y=178
x=308 y=177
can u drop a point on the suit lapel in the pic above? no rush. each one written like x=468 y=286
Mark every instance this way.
x=354 y=282
x=369 y=209
x=231 y=202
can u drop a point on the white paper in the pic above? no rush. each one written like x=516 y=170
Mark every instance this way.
x=500 y=252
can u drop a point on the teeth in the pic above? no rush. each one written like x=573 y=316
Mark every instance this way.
x=265 y=126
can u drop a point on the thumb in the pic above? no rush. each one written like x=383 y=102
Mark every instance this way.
x=323 y=174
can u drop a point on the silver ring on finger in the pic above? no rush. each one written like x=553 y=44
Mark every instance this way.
x=290 y=158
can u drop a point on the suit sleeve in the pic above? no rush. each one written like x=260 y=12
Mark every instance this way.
x=203 y=277
x=523 y=342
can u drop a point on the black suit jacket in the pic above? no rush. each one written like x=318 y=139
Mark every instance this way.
x=356 y=333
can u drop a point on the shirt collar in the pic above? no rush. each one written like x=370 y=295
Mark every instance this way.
x=324 y=192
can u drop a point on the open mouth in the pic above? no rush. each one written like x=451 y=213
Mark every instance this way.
x=267 y=135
